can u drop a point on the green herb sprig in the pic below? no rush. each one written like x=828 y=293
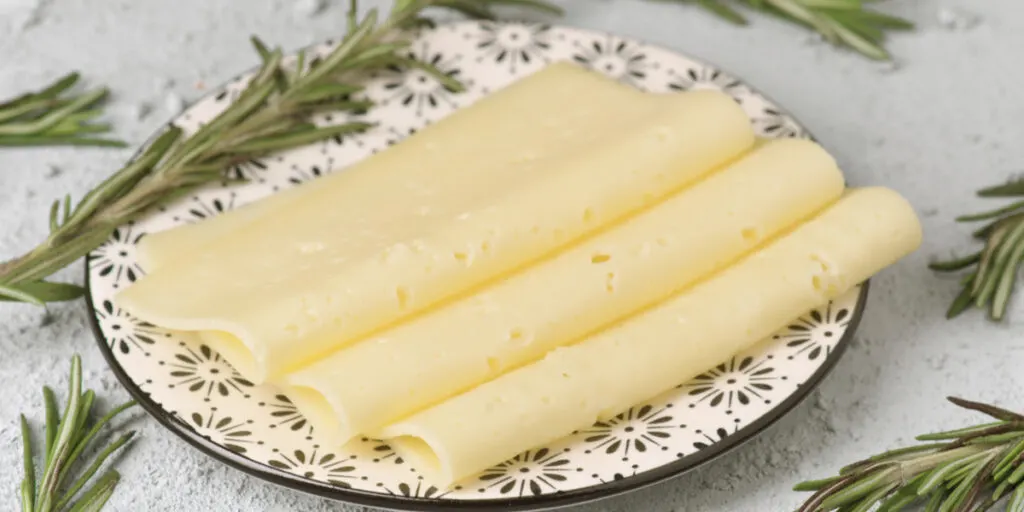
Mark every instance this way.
x=53 y=117
x=66 y=438
x=841 y=22
x=994 y=269
x=964 y=470
x=271 y=114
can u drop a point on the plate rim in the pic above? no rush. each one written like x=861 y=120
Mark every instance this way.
x=550 y=501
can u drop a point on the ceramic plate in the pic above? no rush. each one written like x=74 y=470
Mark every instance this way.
x=192 y=391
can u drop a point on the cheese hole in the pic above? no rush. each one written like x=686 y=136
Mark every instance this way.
x=461 y=257
x=515 y=334
x=402 y=294
x=565 y=375
x=821 y=263
x=588 y=215
x=599 y=258
x=816 y=282
x=609 y=282
x=493 y=364
x=750 y=234
x=485 y=247
x=662 y=241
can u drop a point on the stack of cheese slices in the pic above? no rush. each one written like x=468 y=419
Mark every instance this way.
x=559 y=251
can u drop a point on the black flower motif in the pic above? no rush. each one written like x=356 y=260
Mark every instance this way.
x=706 y=78
x=617 y=476
x=814 y=334
x=125 y=332
x=202 y=209
x=617 y=58
x=776 y=124
x=303 y=174
x=382 y=451
x=513 y=44
x=417 y=88
x=223 y=430
x=415 y=490
x=250 y=170
x=327 y=467
x=709 y=438
x=531 y=472
x=396 y=135
x=736 y=382
x=116 y=257
x=640 y=428
x=285 y=414
x=205 y=371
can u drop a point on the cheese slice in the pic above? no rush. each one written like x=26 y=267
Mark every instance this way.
x=166 y=247
x=628 y=266
x=661 y=347
x=486 y=190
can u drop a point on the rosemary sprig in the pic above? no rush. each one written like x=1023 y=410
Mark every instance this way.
x=964 y=470
x=272 y=113
x=66 y=437
x=841 y=22
x=52 y=117
x=994 y=269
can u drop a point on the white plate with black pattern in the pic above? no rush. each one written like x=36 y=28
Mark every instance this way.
x=191 y=390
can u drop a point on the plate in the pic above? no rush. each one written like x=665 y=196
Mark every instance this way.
x=192 y=391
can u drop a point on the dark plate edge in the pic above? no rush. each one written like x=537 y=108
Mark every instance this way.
x=524 y=503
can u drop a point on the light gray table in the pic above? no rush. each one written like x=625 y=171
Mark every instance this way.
x=949 y=118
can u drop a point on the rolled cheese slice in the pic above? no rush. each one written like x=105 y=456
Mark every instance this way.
x=488 y=189
x=628 y=266
x=652 y=352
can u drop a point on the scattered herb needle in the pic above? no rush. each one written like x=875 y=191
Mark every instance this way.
x=66 y=439
x=964 y=470
x=994 y=268
x=271 y=114
x=51 y=117
x=840 y=22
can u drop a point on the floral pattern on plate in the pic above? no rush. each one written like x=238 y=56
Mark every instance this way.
x=182 y=380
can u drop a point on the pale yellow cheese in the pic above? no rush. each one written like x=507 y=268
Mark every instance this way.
x=166 y=247
x=661 y=347
x=628 y=266
x=490 y=188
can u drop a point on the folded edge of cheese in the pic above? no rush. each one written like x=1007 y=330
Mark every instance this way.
x=491 y=188
x=572 y=387
x=626 y=267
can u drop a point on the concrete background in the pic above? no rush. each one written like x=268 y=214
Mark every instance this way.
x=944 y=121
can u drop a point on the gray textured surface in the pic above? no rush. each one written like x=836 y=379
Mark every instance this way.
x=944 y=121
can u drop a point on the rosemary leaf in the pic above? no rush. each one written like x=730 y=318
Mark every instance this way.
x=50 y=117
x=969 y=474
x=1011 y=188
x=955 y=264
x=993 y=281
x=848 y=23
x=96 y=497
x=66 y=438
x=991 y=410
x=1016 y=503
x=953 y=434
x=28 y=484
